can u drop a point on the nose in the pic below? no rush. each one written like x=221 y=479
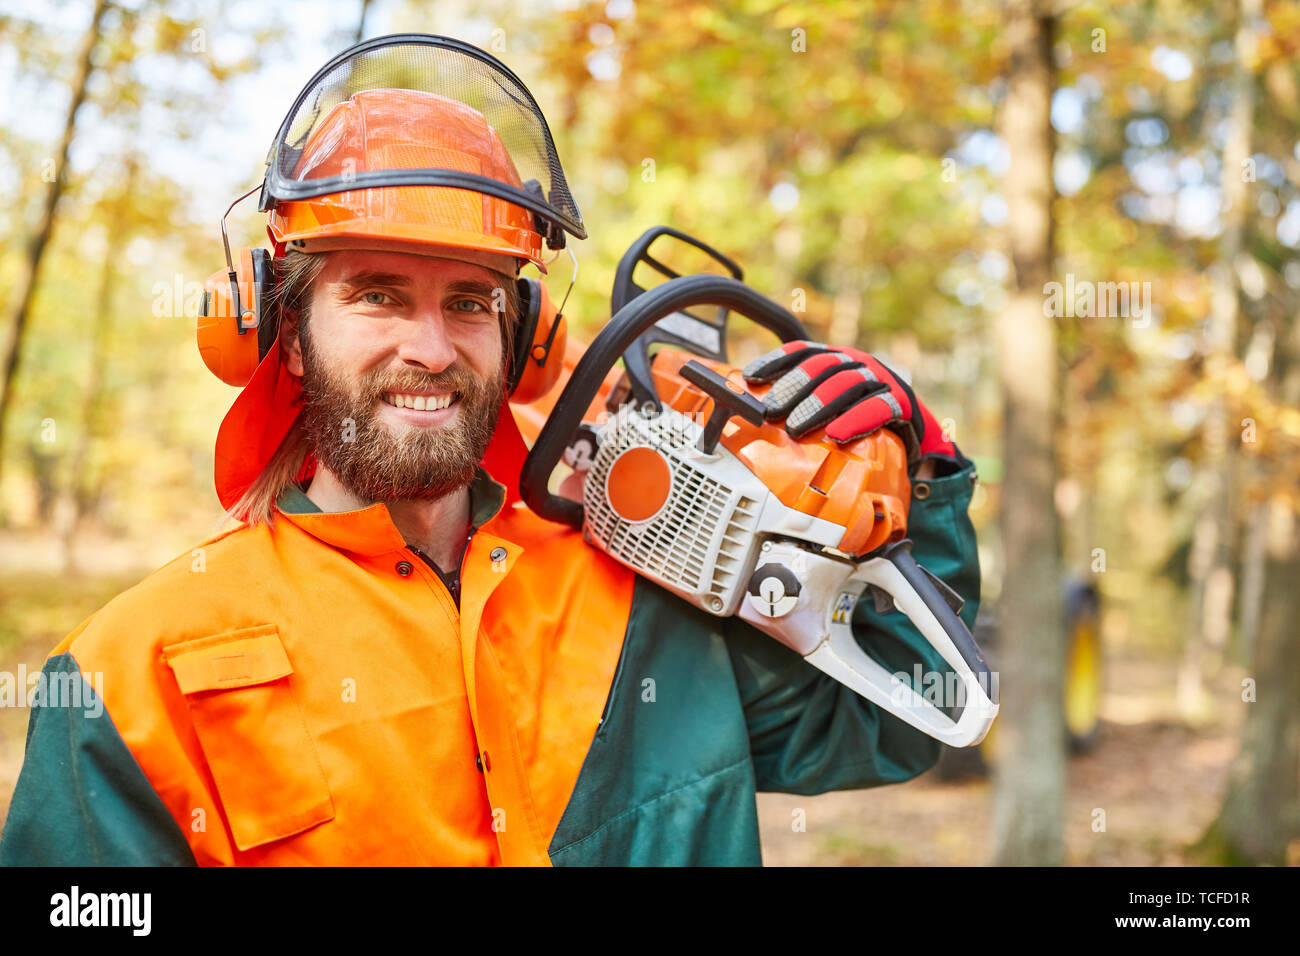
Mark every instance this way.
x=426 y=341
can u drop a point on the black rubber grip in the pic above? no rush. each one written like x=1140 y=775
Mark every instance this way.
x=900 y=555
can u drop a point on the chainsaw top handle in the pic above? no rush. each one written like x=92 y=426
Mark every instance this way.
x=611 y=342
x=710 y=338
x=625 y=288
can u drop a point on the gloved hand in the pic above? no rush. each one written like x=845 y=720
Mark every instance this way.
x=851 y=394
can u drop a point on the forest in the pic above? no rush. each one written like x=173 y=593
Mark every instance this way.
x=1074 y=226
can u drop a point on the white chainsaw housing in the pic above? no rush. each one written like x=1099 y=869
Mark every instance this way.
x=702 y=544
x=720 y=524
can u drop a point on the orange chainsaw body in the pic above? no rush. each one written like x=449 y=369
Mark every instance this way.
x=861 y=486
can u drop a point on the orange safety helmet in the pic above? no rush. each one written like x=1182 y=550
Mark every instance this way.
x=383 y=129
x=411 y=143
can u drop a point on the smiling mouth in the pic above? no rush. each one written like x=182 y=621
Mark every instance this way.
x=420 y=403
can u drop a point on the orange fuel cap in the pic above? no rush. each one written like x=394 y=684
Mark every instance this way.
x=638 y=484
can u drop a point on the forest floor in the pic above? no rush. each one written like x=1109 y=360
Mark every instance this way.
x=1152 y=780
x=1156 y=780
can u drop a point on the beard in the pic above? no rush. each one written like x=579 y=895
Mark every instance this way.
x=376 y=463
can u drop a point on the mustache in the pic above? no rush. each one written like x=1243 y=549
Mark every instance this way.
x=454 y=378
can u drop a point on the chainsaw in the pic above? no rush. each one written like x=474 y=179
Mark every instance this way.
x=687 y=484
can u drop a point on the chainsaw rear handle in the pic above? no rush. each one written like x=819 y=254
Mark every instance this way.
x=893 y=570
x=612 y=341
x=899 y=554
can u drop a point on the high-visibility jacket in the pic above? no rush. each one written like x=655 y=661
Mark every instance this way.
x=308 y=692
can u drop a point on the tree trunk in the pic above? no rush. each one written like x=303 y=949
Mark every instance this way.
x=1259 y=814
x=82 y=488
x=361 y=21
x=1261 y=809
x=26 y=281
x=846 y=311
x=1029 y=782
x=1253 y=566
x=1211 y=561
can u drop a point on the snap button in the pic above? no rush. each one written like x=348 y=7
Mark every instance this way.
x=404 y=568
x=498 y=554
x=921 y=490
x=482 y=761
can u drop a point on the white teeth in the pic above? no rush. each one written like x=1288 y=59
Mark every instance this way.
x=420 y=403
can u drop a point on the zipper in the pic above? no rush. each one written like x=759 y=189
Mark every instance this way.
x=454 y=593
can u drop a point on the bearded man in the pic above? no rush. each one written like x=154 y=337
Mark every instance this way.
x=391 y=659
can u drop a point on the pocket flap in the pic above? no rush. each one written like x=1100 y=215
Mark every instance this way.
x=253 y=655
x=253 y=733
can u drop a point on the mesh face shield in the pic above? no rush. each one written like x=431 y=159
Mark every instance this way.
x=408 y=112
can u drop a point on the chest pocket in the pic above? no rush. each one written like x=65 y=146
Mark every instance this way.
x=253 y=734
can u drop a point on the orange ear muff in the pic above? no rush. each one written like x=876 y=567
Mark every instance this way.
x=235 y=329
x=539 y=345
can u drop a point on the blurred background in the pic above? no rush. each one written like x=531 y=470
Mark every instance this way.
x=1075 y=226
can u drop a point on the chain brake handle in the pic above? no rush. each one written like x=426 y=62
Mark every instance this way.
x=704 y=337
x=632 y=320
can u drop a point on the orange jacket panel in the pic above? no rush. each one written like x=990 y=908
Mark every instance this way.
x=318 y=670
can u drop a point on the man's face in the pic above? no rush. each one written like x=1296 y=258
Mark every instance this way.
x=387 y=331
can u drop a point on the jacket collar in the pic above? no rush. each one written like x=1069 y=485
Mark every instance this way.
x=370 y=531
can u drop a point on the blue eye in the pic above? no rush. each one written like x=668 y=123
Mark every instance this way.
x=370 y=301
x=473 y=306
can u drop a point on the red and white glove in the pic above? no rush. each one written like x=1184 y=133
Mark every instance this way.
x=850 y=393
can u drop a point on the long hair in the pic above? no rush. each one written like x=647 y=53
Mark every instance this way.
x=295 y=275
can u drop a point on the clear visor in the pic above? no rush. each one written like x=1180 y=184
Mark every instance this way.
x=421 y=110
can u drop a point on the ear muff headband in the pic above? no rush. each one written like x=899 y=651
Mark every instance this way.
x=268 y=325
